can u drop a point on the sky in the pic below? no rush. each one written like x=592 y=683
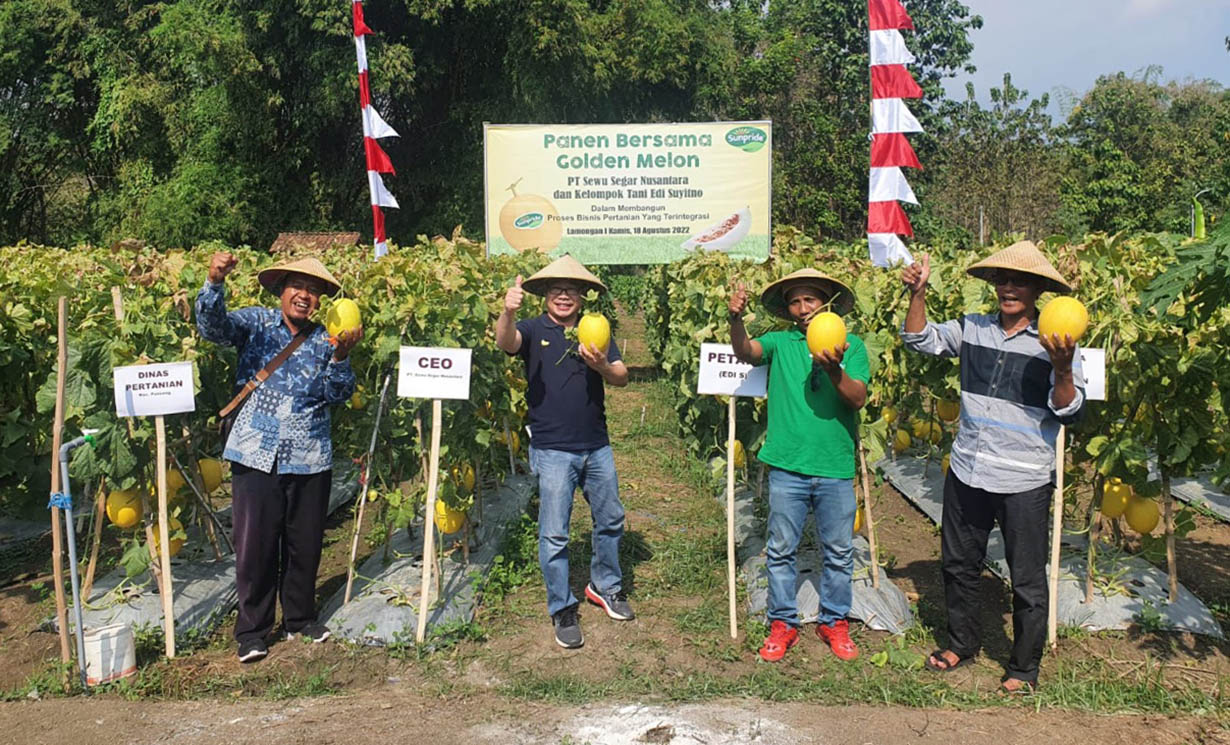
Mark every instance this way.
x=1049 y=45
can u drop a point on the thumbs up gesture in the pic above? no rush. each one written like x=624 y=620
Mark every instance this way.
x=514 y=296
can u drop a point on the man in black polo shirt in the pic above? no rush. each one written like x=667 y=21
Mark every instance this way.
x=568 y=438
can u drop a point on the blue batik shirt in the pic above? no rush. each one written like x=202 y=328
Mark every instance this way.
x=284 y=424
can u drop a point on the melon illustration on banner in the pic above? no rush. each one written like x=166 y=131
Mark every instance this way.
x=722 y=235
x=529 y=221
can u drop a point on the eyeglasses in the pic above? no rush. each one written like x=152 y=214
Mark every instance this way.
x=1016 y=280
x=555 y=291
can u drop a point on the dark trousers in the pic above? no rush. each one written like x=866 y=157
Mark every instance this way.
x=969 y=514
x=278 y=523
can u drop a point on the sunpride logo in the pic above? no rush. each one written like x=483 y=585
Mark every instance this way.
x=747 y=139
x=528 y=221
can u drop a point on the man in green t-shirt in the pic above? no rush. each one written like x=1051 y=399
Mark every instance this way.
x=809 y=446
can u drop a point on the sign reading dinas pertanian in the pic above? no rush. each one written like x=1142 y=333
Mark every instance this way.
x=629 y=193
x=721 y=373
x=153 y=390
x=434 y=372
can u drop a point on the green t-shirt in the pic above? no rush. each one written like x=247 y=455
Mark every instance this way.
x=811 y=432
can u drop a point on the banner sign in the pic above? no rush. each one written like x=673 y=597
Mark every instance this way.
x=628 y=193
x=154 y=390
x=434 y=372
x=721 y=373
x=1093 y=367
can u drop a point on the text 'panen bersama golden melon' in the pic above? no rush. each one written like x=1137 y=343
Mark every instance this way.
x=826 y=332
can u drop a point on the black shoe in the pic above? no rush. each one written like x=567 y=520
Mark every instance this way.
x=568 y=628
x=313 y=632
x=253 y=650
x=615 y=604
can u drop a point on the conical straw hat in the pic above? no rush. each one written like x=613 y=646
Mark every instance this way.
x=269 y=278
x=774 y=296
x=1022 y=256
x=565 y=267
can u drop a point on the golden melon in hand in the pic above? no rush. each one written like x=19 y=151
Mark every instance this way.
x=826 y=332
x=594 y=329
x=343 y=316
x=1063 y=315
x=124 y=508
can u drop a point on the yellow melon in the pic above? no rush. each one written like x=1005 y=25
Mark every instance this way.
x=1063 y=315
x=594 y=329
x=1116 y=496
x=858 y=519
x=948 y=411
x=740 y=455
x=211 y=473
x=901 y=441
x=173 y=526
x=343 y=316
x=448 y=520
x=124 y=508
x=889 y=414
x=826 y=332
x=1142 y=515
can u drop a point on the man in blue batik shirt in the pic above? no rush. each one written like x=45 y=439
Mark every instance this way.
x=279 y=447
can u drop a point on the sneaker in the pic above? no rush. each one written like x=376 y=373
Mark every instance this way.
x=313 y=632
x=615 y=604
x=568 y=628
x=253 y=650
x=837 y=636
x=782 y=636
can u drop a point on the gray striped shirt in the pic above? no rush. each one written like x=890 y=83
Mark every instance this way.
x=1006 y=439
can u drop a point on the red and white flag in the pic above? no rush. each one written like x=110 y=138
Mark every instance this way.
x=891 y=82
x=374 y=127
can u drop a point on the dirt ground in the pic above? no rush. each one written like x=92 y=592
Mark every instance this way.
x=470 y=693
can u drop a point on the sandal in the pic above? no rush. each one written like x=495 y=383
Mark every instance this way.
x=944 y=666
x=1025 y=687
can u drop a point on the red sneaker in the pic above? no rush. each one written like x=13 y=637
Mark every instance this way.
x=837 y=636
x=781 y=637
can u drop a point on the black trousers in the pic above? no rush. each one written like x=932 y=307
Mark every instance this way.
x=278 y=523
x=969 y=514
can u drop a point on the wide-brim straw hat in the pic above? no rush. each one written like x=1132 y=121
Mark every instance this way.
x=271 y=277
x=1024 y=257
x=565 y=267
x=841 y=297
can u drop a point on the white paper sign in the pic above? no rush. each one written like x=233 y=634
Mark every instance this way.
x=722 y=374
x=153 y=390
x=1093 y=366
x=434 y=372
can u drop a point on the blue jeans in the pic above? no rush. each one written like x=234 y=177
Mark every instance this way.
x=559 y=473
x=791 y=497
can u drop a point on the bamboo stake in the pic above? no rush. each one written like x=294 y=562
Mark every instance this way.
x=57 y=435
x=164 y=544
x=1172 y=568
x=512 y=463
x=871 y=526
x=730 y=517
x=1052 y=626
x=363 y=486
x=428 y=520
x=100 y=514
x=1099 y=487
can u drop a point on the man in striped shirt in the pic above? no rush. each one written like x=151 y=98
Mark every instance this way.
x=1016 y=389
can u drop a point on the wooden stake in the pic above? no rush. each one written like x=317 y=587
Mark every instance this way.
x=1052 y=625
x=100 y=514
x=1172 y=568
x=164 y=544
x=871 y=526
x=364 y=485
x=512 y=463
x=428 y=519
x=730 y=517
x=57 y=436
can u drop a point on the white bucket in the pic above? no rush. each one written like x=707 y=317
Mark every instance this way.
x=109 y=654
